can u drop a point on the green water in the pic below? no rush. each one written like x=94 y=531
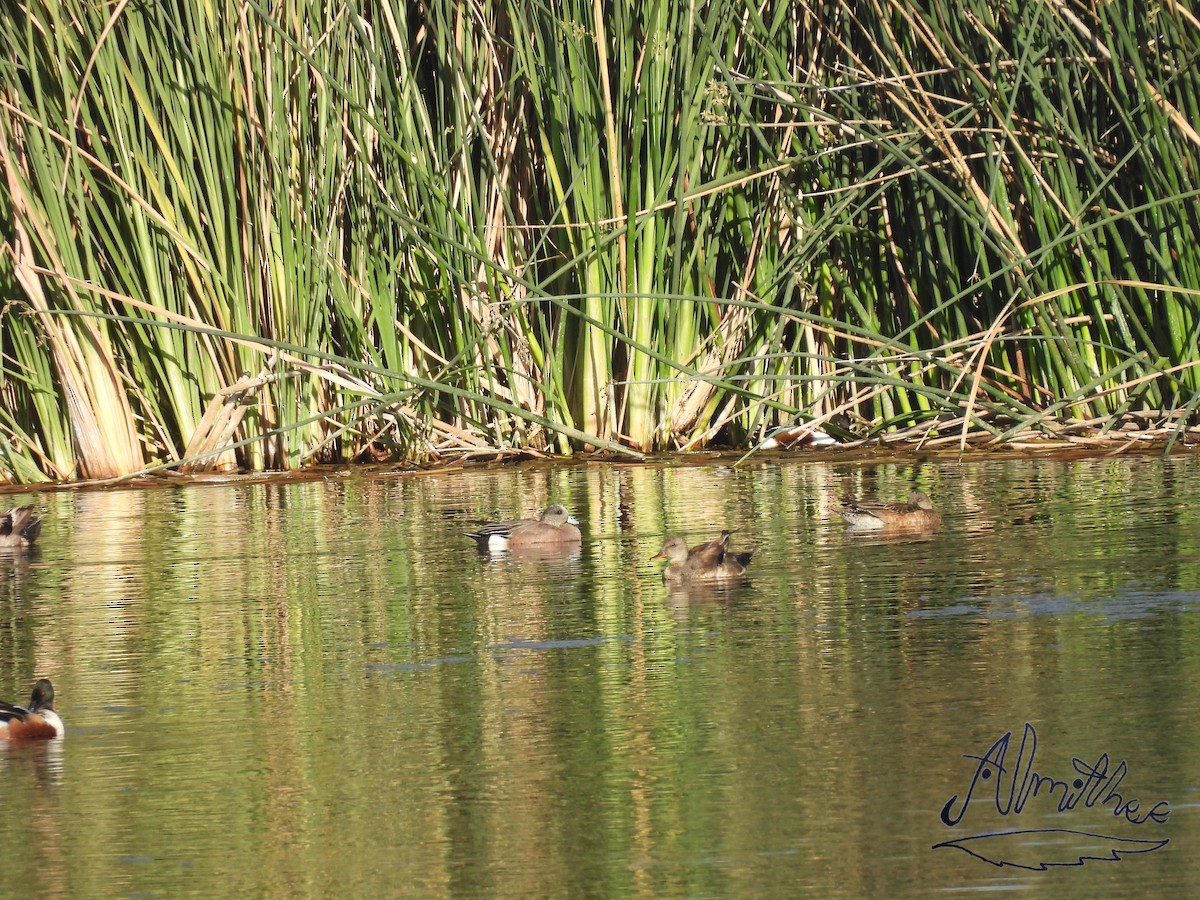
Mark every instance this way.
x=322 y=689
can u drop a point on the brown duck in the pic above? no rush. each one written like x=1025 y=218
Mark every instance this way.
x=915 y=514
x=19 y=528
x=555 y=528
x=710 y=562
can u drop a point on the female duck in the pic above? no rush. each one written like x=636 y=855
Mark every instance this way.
x=710 y=562
x=36 y=721
x=915 y=514
x=19 y=528
x=556 y=528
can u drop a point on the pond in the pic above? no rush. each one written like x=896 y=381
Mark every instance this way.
x=322 y=688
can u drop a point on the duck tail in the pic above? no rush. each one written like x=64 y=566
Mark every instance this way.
x=9 y=711
x=21 y=521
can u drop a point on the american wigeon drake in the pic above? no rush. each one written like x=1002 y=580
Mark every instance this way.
x=915 y=514
x=33 y=722
x=556 y=528
x=19 y=527
x=709 y=562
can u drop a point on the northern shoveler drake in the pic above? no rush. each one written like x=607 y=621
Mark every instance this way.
x=19 y=527
x=705 y=562
x=38 y=720
x=556 y=528
x=790 y=437
x=915 y=514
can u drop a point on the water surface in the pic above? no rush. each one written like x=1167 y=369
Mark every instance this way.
x=319 y=688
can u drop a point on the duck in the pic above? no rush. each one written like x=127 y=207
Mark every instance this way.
x=36 y=721
x=19 y=528
x=791 y=437
x=708 y=562
x=555 y=528
x=917 y=513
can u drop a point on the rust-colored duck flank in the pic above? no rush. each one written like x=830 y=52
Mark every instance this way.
x=915 y=514
x=33 y=722
x=705 y=562
x=791 y=437
x=19 y=527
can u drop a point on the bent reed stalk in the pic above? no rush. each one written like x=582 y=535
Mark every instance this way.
x=235 y=237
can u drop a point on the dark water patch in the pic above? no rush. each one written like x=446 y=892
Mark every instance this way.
x=560 y=644
x=400 y=667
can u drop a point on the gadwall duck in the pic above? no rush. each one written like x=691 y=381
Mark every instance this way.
x=555 y=528
x=19 y=527
x=38 y=720
x=704 y=562
x=915 y=514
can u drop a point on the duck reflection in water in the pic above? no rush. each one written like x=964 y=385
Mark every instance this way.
x=687 y=597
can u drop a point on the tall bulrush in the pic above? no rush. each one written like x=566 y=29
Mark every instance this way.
x=243 y=234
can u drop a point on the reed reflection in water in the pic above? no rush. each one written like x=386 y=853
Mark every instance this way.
x=323 y=687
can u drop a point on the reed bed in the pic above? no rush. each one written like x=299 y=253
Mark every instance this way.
x=264 y=235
